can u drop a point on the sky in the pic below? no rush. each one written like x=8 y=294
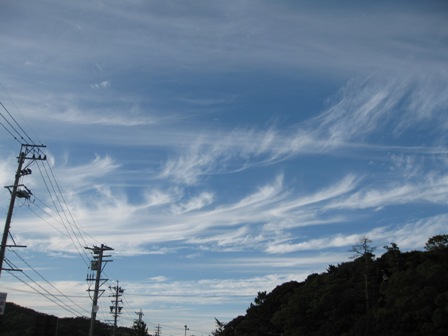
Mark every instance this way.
x=221 y=148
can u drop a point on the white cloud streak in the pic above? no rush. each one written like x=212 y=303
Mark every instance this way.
x=356 y=116
x=112 y=76
x=266 y=217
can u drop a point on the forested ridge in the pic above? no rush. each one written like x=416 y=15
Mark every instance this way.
x=399 y=293
x=22 y=321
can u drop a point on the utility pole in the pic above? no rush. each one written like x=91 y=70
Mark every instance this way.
x=140 y=316
x=140 y=326
x=158 y=330
x=115 y=309
x=27 y=152
x=97 y=265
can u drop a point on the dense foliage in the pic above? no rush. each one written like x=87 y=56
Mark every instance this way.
x=139 y=329
x=25 y=322
x=396 y=294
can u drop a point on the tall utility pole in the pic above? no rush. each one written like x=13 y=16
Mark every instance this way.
x=140 y=326
x=27 y=152
x=115 y=309
x=158 y=330
x=140 y=316
x=97 y=265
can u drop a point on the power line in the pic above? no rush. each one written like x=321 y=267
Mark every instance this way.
x=7 y=130
x=50 y=213
x=66 y=205
x=60 y=205
x=86 y=256
x=27 y=152
x=44 y=279
x=48 y=295
x=45 y=220
x=52 y=181
x=20 y=127
x=33 y=292
x=10 y=125
x=61 y=208
x=128 y=310
x=19 y=112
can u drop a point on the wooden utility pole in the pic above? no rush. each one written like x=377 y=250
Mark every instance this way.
x=97 y=265
x=158 y=330
x=27 y=152
x=115 y=309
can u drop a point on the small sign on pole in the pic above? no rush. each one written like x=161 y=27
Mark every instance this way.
x=2 y=302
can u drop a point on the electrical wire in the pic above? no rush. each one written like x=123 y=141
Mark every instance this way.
x=128 y=310
x=10 y=125
x=15 y=121
x=55 y=204
x=19 y=112
x=46 y=209
x=51 y=181
x=44 y=279
x=46 y=221
x=7 y=130
x=32 y=292
x=66 y=205
x=47 y=294
x=60 y=215
x=17 y=132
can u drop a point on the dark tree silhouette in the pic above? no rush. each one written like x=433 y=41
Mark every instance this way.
x=363 y=249
x=437 y=242
x=139 y=329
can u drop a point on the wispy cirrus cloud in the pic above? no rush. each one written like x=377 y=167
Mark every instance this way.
x=409 y=236
x=271 y=208
x=292 y=38
x=192 y=185
x=84 y=176
x=101 y=85
x=356 y=116
x=74 y=115
x=157 y=197
x=164 y=217
x=194 y=203
x=234 y=152
x=430 y=188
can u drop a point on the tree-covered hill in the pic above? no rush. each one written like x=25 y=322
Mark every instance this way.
x=27 y=322
x=395 y=294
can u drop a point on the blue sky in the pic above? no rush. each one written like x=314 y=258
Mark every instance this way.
x=220 y=147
